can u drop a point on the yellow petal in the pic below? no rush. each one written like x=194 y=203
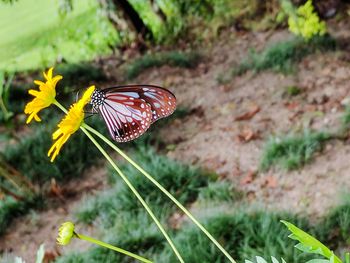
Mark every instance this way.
x=38 y=82
x=33 y=92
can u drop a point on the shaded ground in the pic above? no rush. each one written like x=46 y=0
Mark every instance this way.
x=213 y=137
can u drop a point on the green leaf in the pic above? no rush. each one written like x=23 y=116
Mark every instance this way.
x=2 y=79
x=309 y=244
x=40 y=254
x=260 y=260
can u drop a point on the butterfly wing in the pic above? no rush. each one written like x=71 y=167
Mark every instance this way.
x=162 y=101
x=127 y=116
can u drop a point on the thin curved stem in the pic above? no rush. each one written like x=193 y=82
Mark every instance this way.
x=132 y=188
x=106 y=245
x=84 y=127
x=59 y=105
x=166 y=192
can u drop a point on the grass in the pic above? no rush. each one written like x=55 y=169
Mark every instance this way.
x=11 y=209
x=184 y=182
x=34 y=35
x=124 y=223
x=292 y=91
x=118 y=211
x=292 y=151
x=29 y=156
x=79 y=74
x=218 y=191
x=282 y=56
x=172 y=58
x=244 y=234
x=346 y=119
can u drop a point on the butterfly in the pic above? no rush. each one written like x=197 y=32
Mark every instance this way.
x=129 y=110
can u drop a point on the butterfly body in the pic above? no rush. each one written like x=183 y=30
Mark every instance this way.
x=128 y=111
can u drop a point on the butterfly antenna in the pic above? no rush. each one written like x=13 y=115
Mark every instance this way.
x=91 y=114
x=77 y=96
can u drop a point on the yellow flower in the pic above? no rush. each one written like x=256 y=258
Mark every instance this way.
x=44 y=97
x=65 y=233
x=70 y=124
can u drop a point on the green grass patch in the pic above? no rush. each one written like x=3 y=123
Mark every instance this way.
x=79 y=75
x=245 y=235
x=282 y=56
x=184 y=182
x=219 y=191
x=292 y=151
x=292 y=91
x=346 y=119
x=34 y=35
x=172 y=58
x=10 y=209
x=29 y=156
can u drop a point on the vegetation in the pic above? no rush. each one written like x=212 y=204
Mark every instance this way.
x=292 y=151
x=283 y=56
x=4 y=96
x=346 y=119
x=304 y=21
x=245 y=233
x=37 y=167
x=172 y=58
x=185 y=186
x=11 y=209
x=79 y=75
x=38 y=37
x=72 y=34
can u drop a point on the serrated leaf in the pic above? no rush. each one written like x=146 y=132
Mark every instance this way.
x=308 y=243
x=248 y=261
x=40 y=254
x=274 y=260
x=308 y=249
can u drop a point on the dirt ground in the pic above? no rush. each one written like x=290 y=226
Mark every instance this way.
x=218 y=135
x=213 y=137
x=26 y=234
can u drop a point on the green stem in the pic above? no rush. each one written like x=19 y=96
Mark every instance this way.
x=59 y=105
x=3 y=108
x=166 y=192
x=136 y=193
x=106 y=245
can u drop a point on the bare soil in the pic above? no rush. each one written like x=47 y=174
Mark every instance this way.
x=26 y=234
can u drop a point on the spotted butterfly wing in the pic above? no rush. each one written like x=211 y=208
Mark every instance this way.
x=162 y=101
x=128 y=111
